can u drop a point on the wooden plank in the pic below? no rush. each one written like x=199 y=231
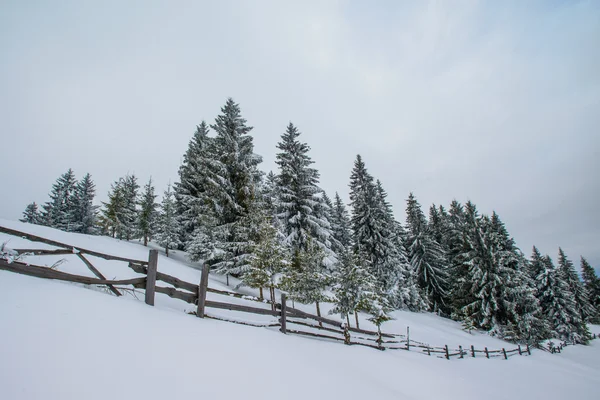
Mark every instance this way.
x=177 y=283
x=97 y=273
x=73 y=249
x=318 y=335
x=202 y=291
x=151 y=277
x=289 y=321
x=240 y=308
x=237 y=295
x=48 y=273
x=177 y=294
x=41 y=252
x=284 y=310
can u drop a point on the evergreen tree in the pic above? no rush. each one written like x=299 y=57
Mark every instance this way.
x=167 y=230
x=58 y=212
x=147 y=214
x=302 y=208
x=84 y=213
x=340 y=225
x=591 y=283
x=31 y=215
x=558 y=306
x=109 y=217
x=427 y=257
x=128 y=213
x=570 y=277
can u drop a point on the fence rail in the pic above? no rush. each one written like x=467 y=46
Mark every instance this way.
x=323 y=328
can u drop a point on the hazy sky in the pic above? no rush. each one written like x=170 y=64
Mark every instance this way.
x=496 y=102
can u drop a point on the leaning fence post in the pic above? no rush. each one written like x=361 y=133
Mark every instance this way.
x=407 y=338
x=447 y=355
x=461 y=352
x=487 y=354
x=428 y=351
x=520 y=352
x=283 y=313
x=504 y=351
x=202 y=291
x=151 y=276
x=528 y=351
x=473 y=351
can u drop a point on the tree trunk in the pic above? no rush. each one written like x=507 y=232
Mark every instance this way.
x=272 y=293
x=146 y=241
x=319 y=313
x=356 y=317
x=260 y=293
x=348 y=320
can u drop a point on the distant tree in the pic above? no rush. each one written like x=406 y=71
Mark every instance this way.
x=31 y=215
x=112 y=209
x=84 y=212
x=167 y=229
x=146 y=220
x=570 y=277
x=128 y=214
x=591 y=283
x=58 y=212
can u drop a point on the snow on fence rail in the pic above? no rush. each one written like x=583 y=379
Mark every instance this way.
x=196 y=294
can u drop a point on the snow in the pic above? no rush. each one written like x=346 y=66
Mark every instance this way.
x=61 y=341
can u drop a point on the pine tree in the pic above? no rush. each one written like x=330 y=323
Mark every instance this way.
x=109 y=217
x=84 y=213
x=305 y=279
x=340 y=224
x=591 y=283
x=31 y=215
x=302 y=209
x=558 y=306
x=58 y=212
x=224 y=238
x=570 y=277
x=167 y=229
x=427 y=257
x=146 y=223
x=269 y=258
x=128 y=214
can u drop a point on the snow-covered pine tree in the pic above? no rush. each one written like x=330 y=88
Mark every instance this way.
x=127 y=215
x=200 y=175
x=301 y=210
x=57 y=213
x=146 y=219
x=558 y=306
x=340 y=224
x=305 y=278
x=111 y=210
x=167 y=229
x=269 y=258
x=591 y=284
x=84 y=213
x=427 y=257
x=31 y=215
x=570 y=277
x=225 y=238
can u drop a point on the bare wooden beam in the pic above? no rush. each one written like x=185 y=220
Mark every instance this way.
x=41 y=252
x=202 y=291
x=176 y=294
x=240 y=308
x=97 y=273
x=48 y=273
x=151 y=277
x=72 y=249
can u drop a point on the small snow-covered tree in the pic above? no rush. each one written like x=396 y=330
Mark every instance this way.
x=129 y=212
x=31 y=215
x=591 y=284
x=84 y=214
x=570 y=277
x=111 y=210
x=146 y=220
x=167 y=229
x=58 y=212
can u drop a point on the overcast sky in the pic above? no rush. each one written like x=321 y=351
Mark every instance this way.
x=496 y=102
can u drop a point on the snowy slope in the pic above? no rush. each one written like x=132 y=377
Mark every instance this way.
x=61 y=341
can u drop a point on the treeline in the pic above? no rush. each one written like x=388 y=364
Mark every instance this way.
x=281 y=230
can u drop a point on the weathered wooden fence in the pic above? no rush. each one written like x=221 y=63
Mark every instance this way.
x=289 y=319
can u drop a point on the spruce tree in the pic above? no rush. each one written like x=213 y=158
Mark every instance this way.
x=340 y=224
x=58 y=212
x=591 y=284
x=31 y=215
x=427 y=257
x=302 y=209
x=112 y=209
x=128 y=213
x=570 y=277
x=167 y=229
x=146 y=223
x=84 y=213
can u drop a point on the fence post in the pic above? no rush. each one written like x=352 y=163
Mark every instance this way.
x=407 y=338
x=473 y=351
x=447 y=355
x=461 y=352
x=428 y=351
x=202 y=291
x=487 y=355
x=151 y=276
x=528 y=351
x=504 y=351
x=283 y=313
x=520 y=352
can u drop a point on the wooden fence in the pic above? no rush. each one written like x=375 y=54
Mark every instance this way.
x=289 y=320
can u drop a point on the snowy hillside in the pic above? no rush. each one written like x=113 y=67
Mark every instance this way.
x=60 y=340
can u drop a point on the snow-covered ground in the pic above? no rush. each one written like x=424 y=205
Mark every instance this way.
x=63 y=341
